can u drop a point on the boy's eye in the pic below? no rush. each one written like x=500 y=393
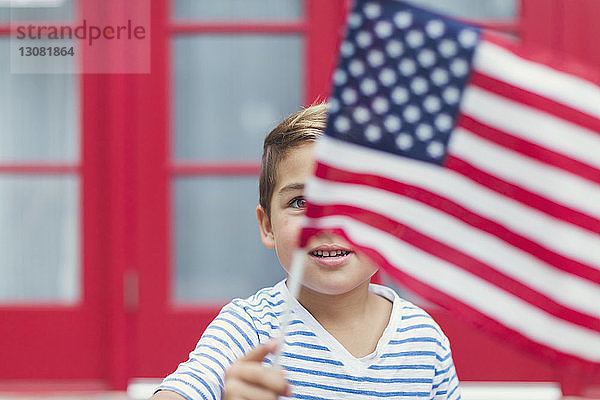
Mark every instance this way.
x=298 y=202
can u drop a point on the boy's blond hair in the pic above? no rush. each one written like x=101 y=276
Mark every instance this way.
x=299 y=128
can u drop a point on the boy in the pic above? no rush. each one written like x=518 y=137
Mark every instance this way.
x=347 y=338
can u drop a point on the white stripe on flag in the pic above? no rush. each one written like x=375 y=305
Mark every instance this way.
x=487 y=298
x=559 y=236
x=540 y=178
x=503 y=65
x=574 y=292
x=535 y=126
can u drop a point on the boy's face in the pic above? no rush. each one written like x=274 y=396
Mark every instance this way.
x=332 y=266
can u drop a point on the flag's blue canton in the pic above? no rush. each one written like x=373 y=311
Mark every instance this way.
x=399 y=79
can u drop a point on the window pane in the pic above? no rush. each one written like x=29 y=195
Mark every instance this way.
x=232 y=9
x=39 y=114
x=218 y=252
x=39 y=239
x=230 y=91
x=46 y=10
x=472 y=9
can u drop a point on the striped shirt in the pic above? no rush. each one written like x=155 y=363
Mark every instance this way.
x=412 y=359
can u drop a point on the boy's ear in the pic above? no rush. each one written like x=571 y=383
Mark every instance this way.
x=264 y=225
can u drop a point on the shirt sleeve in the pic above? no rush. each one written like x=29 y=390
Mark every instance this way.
x=228 y=337
x=445 y=380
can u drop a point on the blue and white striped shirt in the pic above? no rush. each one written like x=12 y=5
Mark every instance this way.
x=412 y=359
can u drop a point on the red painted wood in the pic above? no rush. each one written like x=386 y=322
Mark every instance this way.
x=38 y=168
x=156 y=333
x=326 y=22
x=216 y=168
x=279 y=27
x=592 y=54
x=36 y=342
x=121 y=222
x=581 y=30
x=540 y=22
x=32 y=387
x=565 y=26
x=119 y=231
x=95 y=211
x=573 y=14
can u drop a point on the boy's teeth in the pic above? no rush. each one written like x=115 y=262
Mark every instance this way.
x=333 y=253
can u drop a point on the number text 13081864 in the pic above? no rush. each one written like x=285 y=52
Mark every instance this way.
x=46 y=51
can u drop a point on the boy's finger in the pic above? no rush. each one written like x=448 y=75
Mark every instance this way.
x=261 y=351
x=269 y=379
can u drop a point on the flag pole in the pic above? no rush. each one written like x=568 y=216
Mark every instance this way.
x=293 y=283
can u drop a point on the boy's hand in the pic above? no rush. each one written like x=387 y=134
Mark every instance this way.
x=247 y=379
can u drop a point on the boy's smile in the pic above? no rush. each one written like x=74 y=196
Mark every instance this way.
x=332 y=267
x=330 y=255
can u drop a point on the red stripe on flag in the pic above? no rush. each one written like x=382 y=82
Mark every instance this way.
x=463 y=310
x=522 y=195
x=458 y=259
x=463 y=214
x=534 y=100
x=529 y=149
x=481 y=320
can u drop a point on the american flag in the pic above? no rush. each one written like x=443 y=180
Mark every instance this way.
x=468 y=171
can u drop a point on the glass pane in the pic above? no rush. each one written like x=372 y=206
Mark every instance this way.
x=237 y=9
x=39 y=239
x=37 y=10
x=472 y=9
x=39 y=114
x=230 y=91
x=218 y=252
